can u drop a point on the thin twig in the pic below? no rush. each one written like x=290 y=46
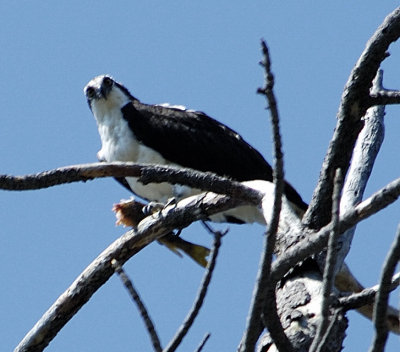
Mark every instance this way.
x=329 y=268
x=366 y=296
x=203 y=342
x=194 y=311
x=381 y=302
x=263 y=303
x=270 y=314
x=364 y=300
x=155 y=340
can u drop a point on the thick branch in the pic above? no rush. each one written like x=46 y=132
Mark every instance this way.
x=354 y=103
x=384 y=97
x=364 y=155
x=100 y=270
x=145 y=172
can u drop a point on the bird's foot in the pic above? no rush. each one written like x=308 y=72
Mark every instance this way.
x=153 y=207
x=171 y=201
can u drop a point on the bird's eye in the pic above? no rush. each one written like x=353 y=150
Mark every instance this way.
x=107 y=82
x=90 y=92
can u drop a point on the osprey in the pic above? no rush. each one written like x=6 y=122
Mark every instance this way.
x=159 y=134
x=172 y=135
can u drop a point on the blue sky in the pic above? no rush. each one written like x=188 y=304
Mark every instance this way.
x=200 y=54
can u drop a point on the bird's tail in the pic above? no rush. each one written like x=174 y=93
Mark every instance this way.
x=195 y=251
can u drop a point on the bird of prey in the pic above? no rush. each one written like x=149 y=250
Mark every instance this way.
x=172 y=135
x=157 y=134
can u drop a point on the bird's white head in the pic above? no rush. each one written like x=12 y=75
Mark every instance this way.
x=104 y=95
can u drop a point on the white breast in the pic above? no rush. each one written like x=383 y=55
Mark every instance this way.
x=119 y=144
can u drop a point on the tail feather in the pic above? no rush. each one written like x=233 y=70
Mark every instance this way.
x=195 y=251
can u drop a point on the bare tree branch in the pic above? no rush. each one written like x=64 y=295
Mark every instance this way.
x=184 y=328
x=360 y=188
x=146 y=173
x=385 y=97
x=329 y=269
x=362 y=169
x=364 y=155
x=381 y=302
x=264 y=297
x=366 y=296
x=363 y=301
x=354 y=103
x=100 y=270
x=155 y=340
x=365 y=152
x=315 y=242
x=266 y=288
x=203 y=342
